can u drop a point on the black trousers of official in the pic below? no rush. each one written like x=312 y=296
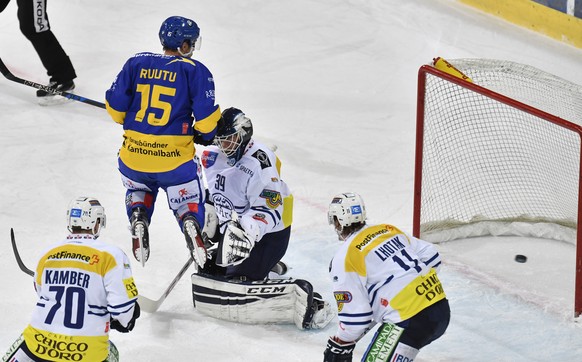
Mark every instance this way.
x=35 y=26
x=3 y=4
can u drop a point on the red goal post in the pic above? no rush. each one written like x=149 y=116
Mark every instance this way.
x=498 y=152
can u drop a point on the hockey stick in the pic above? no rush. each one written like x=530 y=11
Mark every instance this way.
x=383 y=343
x=152 y=306
x=13 y=348
x=17 y=255
x=6 y=72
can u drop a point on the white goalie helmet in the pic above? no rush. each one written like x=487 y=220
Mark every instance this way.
x=83 y=212
x=348 y=208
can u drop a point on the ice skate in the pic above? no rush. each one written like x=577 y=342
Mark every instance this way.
x=46 y=98
x=140 y=236
x=280 y=268
x=194 y=241
x=322 y=311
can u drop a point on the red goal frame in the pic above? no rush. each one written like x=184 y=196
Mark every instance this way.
x=422 y=75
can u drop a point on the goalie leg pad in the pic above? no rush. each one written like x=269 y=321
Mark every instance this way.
x=277 y=301
x=260 y=302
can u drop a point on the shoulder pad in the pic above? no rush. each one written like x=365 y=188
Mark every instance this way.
x=263 y=158
x=208 y=158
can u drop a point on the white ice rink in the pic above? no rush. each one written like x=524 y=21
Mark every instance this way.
x=332 y=83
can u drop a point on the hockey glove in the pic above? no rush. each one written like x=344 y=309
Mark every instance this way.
x=115 y=324
x=338 y=352
x=203 y=139
x=235 y=247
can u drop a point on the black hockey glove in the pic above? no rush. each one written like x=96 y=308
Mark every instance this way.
x=114 y=324
x=199 y=139
x=336 y=352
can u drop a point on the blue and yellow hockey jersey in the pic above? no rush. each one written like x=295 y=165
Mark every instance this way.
x=162 y=101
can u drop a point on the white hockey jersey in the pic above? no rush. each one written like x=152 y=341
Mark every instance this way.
x=252 y=187
x=81 y=283
x=380 y=274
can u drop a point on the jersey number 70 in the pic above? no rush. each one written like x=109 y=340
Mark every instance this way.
x=74 y=297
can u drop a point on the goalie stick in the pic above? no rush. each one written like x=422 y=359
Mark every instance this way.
x=146 y=304
x=8 y=75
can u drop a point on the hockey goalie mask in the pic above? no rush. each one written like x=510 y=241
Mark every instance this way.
x=233 y=134
x=84 y=212
x=348 y=208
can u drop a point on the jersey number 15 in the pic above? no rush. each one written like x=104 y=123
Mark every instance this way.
x=150 y=98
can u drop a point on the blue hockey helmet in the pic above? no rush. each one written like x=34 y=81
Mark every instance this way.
x=233 y=134
x=176 y=29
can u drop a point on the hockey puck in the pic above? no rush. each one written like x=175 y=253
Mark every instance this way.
x=520 y=258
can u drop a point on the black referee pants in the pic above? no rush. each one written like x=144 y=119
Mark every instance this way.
x=35 y=26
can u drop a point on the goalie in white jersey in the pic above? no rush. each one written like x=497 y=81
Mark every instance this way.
x=248 y=220
x=85 y=288
x=383 y=275
x=253 y=204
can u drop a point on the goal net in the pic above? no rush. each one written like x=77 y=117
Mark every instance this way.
x=498 y=153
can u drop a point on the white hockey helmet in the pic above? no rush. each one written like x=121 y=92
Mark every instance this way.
x=348 y=208
x=83 y=212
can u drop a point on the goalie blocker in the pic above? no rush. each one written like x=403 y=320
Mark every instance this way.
x=272 y=301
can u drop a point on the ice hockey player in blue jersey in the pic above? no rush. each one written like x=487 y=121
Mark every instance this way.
x=384 y=276
x=166 y=104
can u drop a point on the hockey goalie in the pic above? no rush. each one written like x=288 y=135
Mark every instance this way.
x=247 y=230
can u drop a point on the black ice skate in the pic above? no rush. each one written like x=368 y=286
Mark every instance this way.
x=140 y=236
x=46 y=98
x=280 y=268
x=322 y=312
x=194 y=240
